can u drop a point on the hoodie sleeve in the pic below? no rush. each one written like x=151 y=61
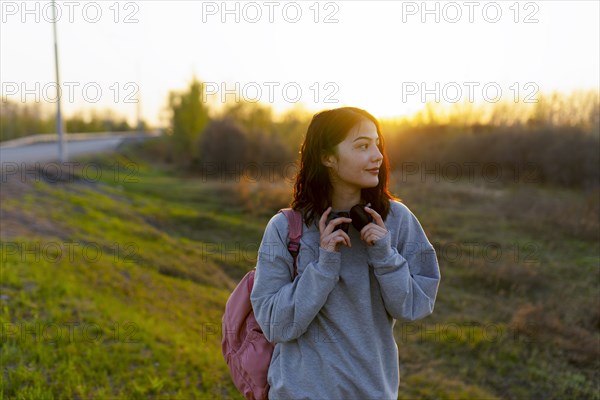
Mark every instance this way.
x=284 y=308
x=407 y=271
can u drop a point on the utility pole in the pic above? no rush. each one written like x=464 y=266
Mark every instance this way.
x=138 y=107
x=62 y=150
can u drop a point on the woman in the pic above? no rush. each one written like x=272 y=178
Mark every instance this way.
x=333 y=324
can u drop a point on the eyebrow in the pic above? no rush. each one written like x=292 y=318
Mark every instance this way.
x=364 y=137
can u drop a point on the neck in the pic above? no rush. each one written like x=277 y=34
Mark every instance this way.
x=343 y=199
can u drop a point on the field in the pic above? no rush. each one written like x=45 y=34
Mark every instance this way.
x=114 y=285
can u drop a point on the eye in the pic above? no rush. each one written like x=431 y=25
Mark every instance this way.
x=365 y=146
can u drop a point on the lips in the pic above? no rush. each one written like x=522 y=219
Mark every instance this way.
x=373 y=170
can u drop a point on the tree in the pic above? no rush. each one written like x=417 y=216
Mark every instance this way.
x=223 y=148
x=189 y=117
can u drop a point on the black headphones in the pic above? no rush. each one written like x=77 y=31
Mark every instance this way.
x=357 y=213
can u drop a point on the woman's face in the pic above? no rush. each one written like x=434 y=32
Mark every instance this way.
x=356 y=164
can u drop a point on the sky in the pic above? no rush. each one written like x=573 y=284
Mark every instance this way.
x=388 y=57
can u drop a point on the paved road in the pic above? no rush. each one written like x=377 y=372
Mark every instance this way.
x=48 y=152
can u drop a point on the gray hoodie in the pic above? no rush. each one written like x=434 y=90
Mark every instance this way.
x=333 y=325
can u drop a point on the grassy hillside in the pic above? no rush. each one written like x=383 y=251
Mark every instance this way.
x=114 y=286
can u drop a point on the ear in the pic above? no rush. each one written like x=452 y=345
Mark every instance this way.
x=328 y=160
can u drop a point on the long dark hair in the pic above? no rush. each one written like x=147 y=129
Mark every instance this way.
x=313 y=189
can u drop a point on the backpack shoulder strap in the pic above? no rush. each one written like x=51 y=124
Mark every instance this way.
x=295 y=232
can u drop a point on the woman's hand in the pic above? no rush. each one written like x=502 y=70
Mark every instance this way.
x=331 y=240
x=373 y=231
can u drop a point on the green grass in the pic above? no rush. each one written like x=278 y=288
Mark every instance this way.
x=135 y=310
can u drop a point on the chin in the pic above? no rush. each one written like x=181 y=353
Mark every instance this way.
x=371 y=184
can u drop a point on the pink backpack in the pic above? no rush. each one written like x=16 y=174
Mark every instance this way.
x=245 y=348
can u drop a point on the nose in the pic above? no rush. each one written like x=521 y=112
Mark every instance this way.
x=377 y=156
